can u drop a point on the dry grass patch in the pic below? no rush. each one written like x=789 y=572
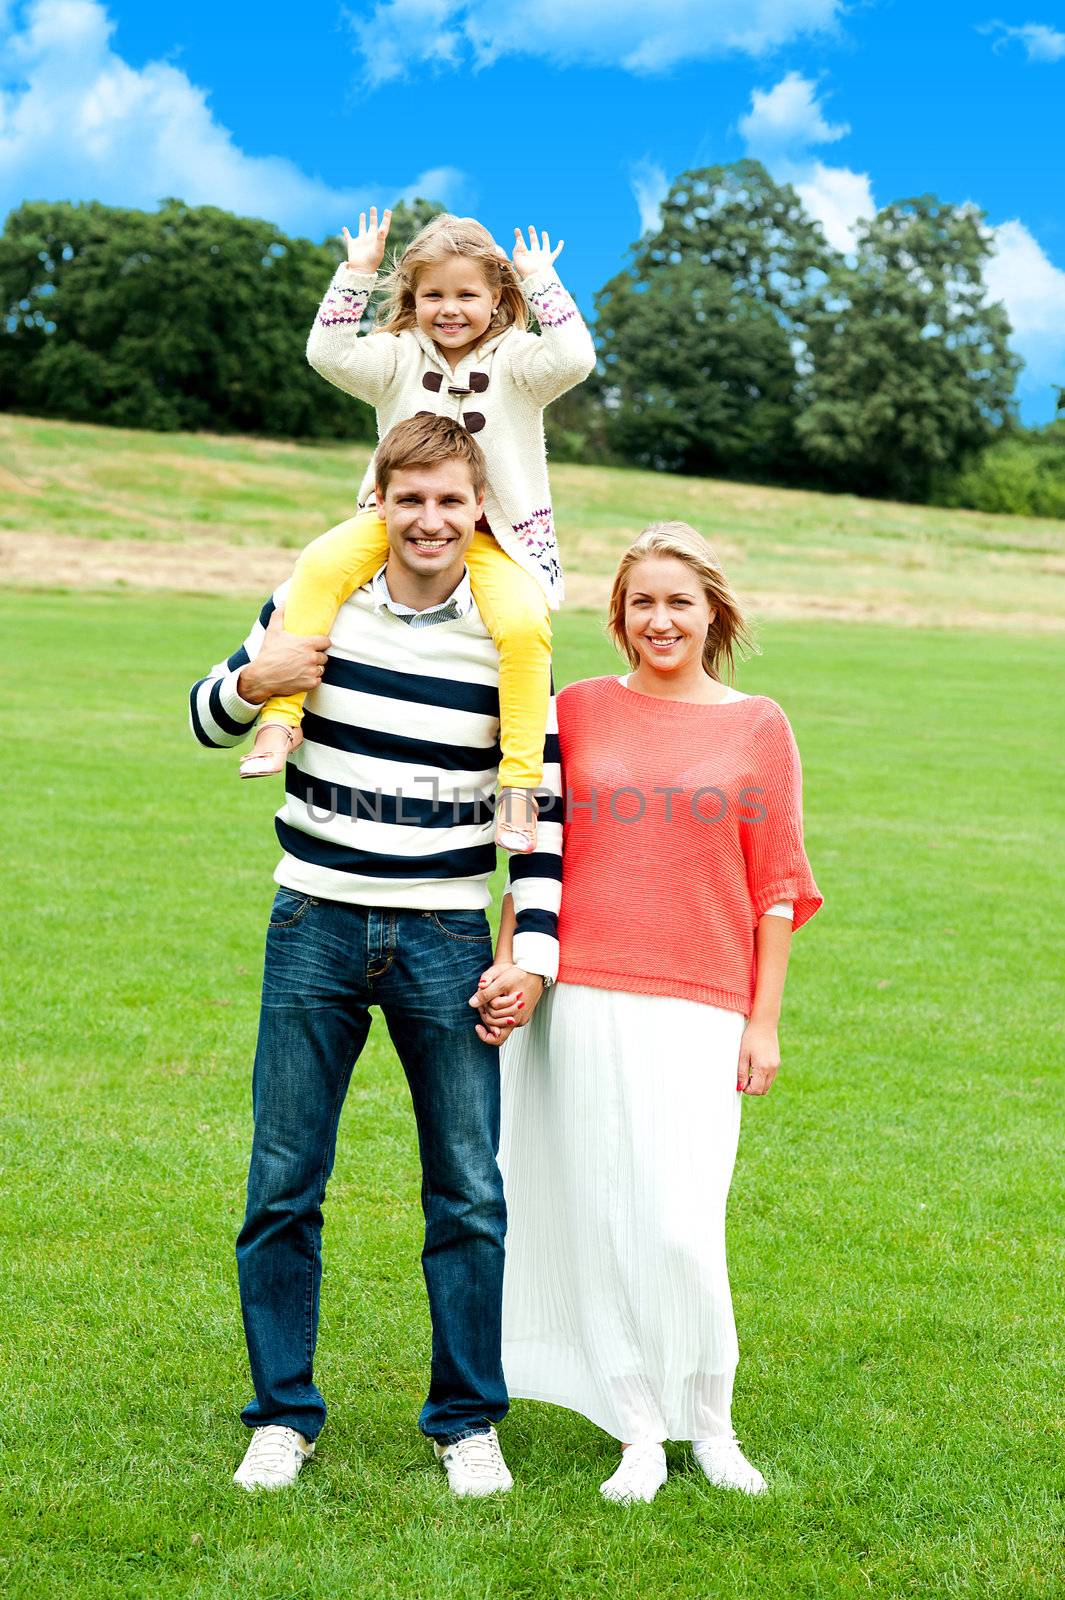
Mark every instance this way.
x=243 y=505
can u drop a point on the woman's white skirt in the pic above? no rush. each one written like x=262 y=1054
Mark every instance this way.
x=620 y=1123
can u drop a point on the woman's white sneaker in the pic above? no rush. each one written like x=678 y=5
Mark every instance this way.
x=273 y=1459
x=725 y=1464
x=639 y=1477
x=475 y=1466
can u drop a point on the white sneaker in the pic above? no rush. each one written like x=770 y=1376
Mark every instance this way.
x=639 y=1477
x=273 y=1459
x=726 y=1465
x=475 y=1466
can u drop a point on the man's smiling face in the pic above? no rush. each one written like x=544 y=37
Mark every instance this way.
x=430 y=513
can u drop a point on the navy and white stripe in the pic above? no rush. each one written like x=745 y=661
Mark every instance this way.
x=389 y=800
x=535 y=881
x=217 y=715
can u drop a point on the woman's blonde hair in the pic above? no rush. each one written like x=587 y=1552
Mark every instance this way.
x=443 y=237
x=729 y=633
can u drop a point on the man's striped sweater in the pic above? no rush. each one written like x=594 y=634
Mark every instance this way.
x=388 y=801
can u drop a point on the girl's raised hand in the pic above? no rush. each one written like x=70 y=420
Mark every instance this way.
x=533 y=257
x=367 y=250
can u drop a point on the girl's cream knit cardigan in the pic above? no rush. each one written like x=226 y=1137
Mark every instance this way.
x=499 y=392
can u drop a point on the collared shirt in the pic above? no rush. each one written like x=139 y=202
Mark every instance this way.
x=458 y=604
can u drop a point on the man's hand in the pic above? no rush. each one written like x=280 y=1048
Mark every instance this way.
x=367 y=250
x=288 y=663
x=506 y=998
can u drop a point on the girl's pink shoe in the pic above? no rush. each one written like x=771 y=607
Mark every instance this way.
x=516 y=811
x=274 y=743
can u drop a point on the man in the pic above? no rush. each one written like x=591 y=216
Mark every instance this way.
x=387 y=834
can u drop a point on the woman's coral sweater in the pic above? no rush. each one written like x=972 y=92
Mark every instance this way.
x=683 y=825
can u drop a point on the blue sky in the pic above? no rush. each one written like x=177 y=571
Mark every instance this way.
x=571 y=114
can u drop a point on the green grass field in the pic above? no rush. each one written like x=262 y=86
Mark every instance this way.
x=895 y=1239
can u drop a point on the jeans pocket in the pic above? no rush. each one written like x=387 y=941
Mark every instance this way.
x=467 y=926
x=289 y=907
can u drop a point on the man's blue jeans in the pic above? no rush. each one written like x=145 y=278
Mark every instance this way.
x=326 y=964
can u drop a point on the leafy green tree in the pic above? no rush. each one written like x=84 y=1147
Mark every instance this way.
x=575 y=426
x=701 y=336
x=1021 y=473
x=185 y=317
x=910 y=366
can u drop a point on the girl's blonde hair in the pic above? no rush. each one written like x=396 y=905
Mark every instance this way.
x=443 y=237
x=729 y=633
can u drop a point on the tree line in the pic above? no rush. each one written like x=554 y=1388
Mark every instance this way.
x=735 y=342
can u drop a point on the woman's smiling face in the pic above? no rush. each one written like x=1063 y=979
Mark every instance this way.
x=667 y=614
x=453 y=305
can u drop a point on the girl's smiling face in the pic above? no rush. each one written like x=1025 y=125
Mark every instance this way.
x=453 y=306
x=667 y=614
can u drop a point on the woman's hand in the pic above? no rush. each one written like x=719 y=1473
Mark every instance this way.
x=506 y=998
x=534 y=257
x=367 y=250
x=759 y=1058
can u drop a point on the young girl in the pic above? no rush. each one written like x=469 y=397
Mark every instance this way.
x=452 y=341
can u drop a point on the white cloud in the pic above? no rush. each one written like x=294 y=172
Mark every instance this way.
x=837 y=198
x=781 y=126
x=787 y=115
x=1040 y=42
x=1032 y=288
x=779 y=129
x=650 y=187
x=78 y=122
x=403 y=34
x=1023 y=275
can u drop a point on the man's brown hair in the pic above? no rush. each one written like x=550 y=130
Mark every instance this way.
x=426 y=442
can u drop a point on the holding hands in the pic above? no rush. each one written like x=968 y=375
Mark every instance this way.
x=367 y=250
x=506 y=998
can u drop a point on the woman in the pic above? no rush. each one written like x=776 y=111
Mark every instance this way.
x=684 y=874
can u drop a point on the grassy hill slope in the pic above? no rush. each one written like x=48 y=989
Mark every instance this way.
x=88 y=507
